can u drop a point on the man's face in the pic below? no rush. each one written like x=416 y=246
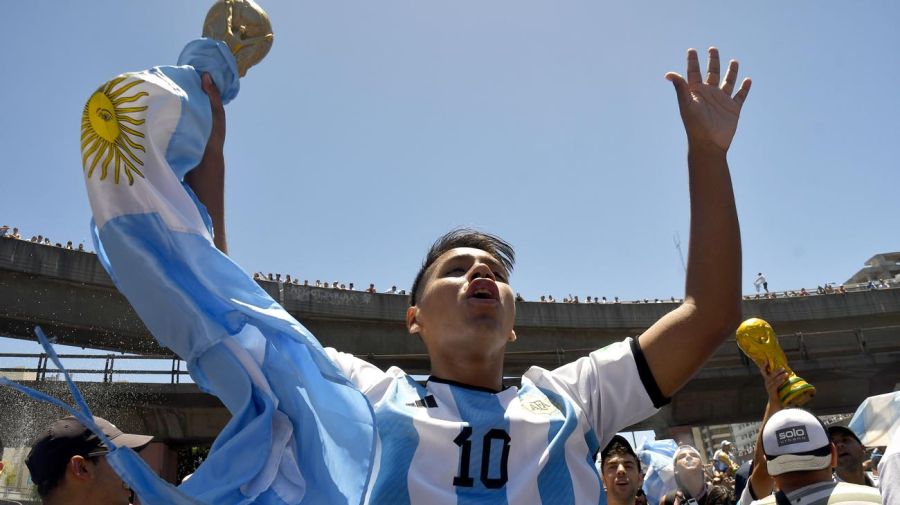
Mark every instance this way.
x=688 y=462
x=621 y=478
x=850 y=453
x=465 y=301
x=92 y=479
x=109 y=484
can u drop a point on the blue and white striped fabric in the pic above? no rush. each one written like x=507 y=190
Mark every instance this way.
x=300 y=431
x=659 y=473
x=876 y=419
x=446 y=443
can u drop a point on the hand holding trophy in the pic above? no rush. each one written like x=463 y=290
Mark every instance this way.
x=758 y=341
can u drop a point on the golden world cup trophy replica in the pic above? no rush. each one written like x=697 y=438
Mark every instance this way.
x=117 y=121
x=758 y=341
x=244 y=27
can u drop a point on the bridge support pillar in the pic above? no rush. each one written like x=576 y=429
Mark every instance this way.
x=163 y=460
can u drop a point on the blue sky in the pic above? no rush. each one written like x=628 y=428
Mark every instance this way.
x=373 y=127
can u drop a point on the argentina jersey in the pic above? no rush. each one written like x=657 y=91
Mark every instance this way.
x=446 y=443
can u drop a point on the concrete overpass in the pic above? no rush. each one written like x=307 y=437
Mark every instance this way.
x=847 y=345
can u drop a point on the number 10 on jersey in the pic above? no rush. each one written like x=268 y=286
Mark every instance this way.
x=494 y=438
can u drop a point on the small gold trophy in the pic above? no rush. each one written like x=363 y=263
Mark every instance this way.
x=244 y=26
x=758 y=341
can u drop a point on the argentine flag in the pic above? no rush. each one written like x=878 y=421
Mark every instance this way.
x=300 y=432
x=877 y=419
x=659 y=473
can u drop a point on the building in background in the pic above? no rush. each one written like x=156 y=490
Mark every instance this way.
x=881 y=266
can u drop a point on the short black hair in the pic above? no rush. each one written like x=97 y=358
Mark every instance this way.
x=55 y=473
x=501 y=250
x=54 y=476
x=843 y=430
x=618 y=446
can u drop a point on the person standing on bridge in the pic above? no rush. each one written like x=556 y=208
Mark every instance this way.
x=761 y=282
x=465 y=435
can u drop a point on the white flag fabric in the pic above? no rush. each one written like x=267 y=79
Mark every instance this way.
x=659 y=473
x=876 y=419
x=300 y=431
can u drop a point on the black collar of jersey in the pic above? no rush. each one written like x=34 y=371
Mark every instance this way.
x=433 y=378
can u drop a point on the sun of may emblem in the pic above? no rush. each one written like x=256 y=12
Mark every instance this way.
x=106 y=137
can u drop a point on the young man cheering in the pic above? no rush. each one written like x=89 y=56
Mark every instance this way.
x=620 y=470
x=464 y=437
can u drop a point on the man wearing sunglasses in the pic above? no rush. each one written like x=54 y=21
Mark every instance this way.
x=68 y=464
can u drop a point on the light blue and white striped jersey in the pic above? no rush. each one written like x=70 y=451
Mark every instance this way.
x=449 y=443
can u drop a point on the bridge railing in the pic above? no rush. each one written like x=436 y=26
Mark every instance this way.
x=816 y=347
x=90 y=367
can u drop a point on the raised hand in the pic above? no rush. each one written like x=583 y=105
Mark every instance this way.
x=773 y=381
x=708 y=110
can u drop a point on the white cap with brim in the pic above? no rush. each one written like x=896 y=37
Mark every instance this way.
x=799 y=462
x=794 y=440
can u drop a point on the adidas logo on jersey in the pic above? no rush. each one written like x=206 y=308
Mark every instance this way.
x=428 y=402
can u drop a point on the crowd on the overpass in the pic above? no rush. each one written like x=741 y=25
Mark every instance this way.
x=14 y=233
x=828 y=288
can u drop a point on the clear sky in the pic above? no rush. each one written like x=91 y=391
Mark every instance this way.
x=373 y=127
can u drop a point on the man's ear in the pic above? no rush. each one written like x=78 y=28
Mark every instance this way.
x=412 y=323
x=834 y=455
x=512 y=336
x=79 y=469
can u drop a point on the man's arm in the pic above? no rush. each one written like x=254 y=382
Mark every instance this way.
x=207 y=180
x=761 y=484
x=677 y=345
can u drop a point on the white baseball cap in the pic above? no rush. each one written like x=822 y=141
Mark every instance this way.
x=794 y=440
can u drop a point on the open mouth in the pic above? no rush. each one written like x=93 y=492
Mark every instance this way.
x=483 y=289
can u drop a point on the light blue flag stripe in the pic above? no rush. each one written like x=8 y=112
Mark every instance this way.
x=593 y=445
x=659 y=474
x=554 y=482
x=395 y=422
x=300 y=431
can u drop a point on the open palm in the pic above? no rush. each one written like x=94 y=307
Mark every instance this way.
x=708 y=110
